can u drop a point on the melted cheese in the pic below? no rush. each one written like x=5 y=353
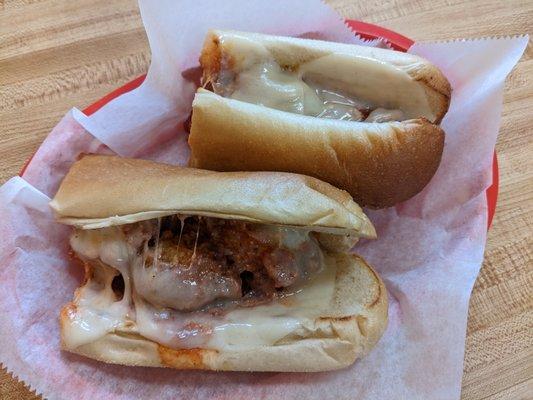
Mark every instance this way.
x=384 y=115
x=100 y=312
x=97 y=313
x=267 y=324
x=314 y=88
x=97 y=309
x=268 y=85
x=241 y=327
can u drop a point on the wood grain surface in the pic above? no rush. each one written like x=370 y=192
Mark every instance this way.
x=58 y=54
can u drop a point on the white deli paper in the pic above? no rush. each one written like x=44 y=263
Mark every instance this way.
x=429 y=249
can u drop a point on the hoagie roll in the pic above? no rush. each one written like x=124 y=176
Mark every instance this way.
x=270 y=93
x=194 y=269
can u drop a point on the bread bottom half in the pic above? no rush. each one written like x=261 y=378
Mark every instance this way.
x=379 y=164
x=349 y=329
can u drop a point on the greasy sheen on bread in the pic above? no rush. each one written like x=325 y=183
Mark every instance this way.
x=194 y=269
x=363 y=119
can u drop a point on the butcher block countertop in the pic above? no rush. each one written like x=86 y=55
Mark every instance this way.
x=56 y=54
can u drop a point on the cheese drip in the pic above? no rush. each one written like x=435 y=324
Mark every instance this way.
x=117 y=251
x=240 y=328
x=335 y=86
x=98 y=310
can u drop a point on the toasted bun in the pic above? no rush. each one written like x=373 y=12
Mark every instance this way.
x=100 y=191
x=386 y=78
x=348 y=330
x=379 y=164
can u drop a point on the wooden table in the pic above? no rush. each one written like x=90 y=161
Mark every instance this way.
x=59 y=54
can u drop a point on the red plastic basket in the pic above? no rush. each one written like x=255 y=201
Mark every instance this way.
x=366 y=31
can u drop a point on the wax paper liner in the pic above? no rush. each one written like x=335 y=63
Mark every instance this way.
x=429 y=249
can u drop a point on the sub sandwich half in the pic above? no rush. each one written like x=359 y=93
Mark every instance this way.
x=363 y=119
x=194 y=269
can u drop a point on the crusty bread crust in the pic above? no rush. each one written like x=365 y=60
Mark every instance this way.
x=349 y=329
x=379 y=164
x=101 y=191
x=291 y=52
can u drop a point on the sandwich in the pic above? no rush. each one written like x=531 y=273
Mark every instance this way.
x=364 y=119
x=232 y=271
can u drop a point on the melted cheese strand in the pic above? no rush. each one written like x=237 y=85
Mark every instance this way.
x=195 y=242
x=182 y=219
